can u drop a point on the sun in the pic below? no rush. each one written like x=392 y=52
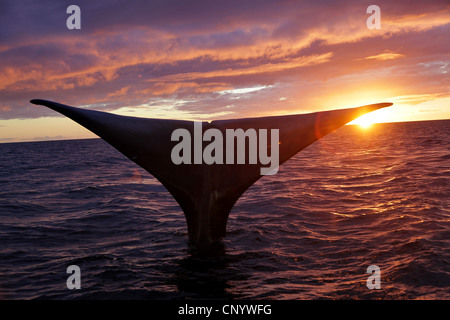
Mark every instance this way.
x=379 y=116
x=364 y=122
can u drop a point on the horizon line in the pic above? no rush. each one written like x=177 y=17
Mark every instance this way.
x=348 y=124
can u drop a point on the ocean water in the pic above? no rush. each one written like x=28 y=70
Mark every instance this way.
x=356 y=198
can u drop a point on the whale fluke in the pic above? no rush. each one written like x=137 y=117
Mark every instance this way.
x=205 y=192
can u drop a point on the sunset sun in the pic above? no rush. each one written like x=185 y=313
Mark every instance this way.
x=365 y=123
x=378 y=116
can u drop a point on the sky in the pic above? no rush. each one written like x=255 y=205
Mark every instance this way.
x=207 y=60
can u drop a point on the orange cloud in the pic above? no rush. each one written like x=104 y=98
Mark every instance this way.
x=385 y=56
x=134 y=56
x=257 y=69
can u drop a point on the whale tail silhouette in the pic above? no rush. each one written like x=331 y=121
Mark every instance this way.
x=205 y=192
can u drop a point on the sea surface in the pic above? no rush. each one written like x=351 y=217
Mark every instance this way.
x=356 y=198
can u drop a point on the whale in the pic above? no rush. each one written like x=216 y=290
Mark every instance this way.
x=205 y=192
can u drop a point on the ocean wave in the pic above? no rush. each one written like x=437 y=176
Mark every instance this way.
x=309 y=232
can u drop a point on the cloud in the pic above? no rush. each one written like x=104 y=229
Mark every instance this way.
x=47 y=138
x=386 y=56
x=414 y=99
x=3 y=140
x=141 y=53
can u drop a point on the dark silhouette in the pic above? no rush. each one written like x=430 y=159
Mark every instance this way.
x=206 y=193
